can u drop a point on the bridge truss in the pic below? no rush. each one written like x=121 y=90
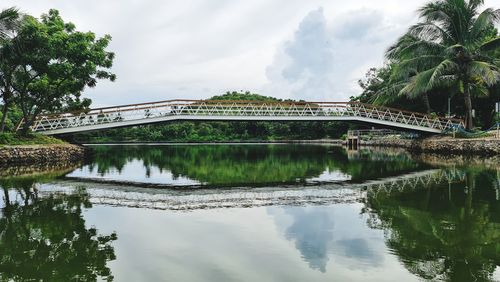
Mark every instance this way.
x=212 y=110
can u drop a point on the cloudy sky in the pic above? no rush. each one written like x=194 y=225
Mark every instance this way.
x=314 y=50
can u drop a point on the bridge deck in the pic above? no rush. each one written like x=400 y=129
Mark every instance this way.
x=146 y=113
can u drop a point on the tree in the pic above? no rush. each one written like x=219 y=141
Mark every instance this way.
x=10 y=20
x=453 y=47
x=55 y=63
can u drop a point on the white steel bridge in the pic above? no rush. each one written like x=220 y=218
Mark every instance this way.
x=213 y=110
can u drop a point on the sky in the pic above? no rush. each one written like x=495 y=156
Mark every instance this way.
x=314 y=50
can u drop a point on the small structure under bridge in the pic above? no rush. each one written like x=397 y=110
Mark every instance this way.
x=213 y=110
x=354 y=137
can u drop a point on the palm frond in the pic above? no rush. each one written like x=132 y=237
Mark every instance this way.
x=434 y=11
x=9 y=13
x=9 y=21
x=418 y=85
x=445 y=67
x=388 y=94
x=414 y=65
x=491 y=45
x=479 y=90
x=455 y=49
x=430 y=31
x=409 y=46
x=475 y=4
x=484 y=71
x=484 y=21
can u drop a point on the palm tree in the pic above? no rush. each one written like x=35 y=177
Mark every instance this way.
x=9 y=21
x=453 y=46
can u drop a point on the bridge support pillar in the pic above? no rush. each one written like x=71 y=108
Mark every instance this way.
x=353 y=142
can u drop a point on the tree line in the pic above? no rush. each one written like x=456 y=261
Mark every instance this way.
x=45 y=65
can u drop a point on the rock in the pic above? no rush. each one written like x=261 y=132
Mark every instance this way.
x=442 y=145
x=41 y=154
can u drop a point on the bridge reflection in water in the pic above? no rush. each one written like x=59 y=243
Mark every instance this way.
x=199 y=198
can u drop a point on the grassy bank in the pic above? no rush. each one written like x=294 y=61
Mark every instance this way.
x=12 y=139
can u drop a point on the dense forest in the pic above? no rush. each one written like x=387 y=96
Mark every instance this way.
x=187 y=131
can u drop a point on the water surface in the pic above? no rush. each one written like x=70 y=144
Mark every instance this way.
x=252 y=213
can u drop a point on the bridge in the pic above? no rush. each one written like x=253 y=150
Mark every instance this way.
x=214 y=110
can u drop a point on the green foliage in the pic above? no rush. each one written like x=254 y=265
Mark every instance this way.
x=379 y=89
x=425 y=66
x=7 y=138
x=246 y=96
x=12 y=119
x=453 y=47
x=47 y=64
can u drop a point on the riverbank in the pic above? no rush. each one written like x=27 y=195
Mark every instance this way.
x=441 y=145
x=65 y=153
x=41 y=154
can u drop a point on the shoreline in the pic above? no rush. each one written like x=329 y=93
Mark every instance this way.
x=442 y=146
x=41 y=155
x=71 y=153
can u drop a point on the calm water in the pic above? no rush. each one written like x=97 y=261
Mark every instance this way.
x=251 y=213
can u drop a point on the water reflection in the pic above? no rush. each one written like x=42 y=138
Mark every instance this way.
x=332 y=235
x=395 y=219
x=444 y=232
x=440 y=230
x=311 y=231
x=44 y=237
x=230 y=165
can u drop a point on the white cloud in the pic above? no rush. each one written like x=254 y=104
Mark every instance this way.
x=323 y=60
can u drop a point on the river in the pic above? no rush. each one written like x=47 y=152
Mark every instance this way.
x=251 y=212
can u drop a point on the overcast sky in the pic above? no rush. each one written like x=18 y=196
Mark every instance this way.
x=314 y=50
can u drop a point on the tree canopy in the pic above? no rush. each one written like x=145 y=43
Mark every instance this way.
x=48 y=63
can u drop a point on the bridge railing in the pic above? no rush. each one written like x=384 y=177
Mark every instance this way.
x=208 y=108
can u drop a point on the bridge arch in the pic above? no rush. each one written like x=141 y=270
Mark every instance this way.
x=214 y=110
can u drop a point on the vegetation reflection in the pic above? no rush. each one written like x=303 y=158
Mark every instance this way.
x=45 y=237
x=250 y=164
x=444 y=232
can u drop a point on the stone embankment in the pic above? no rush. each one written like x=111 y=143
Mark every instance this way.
x=41 y=154
x=487 y=146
